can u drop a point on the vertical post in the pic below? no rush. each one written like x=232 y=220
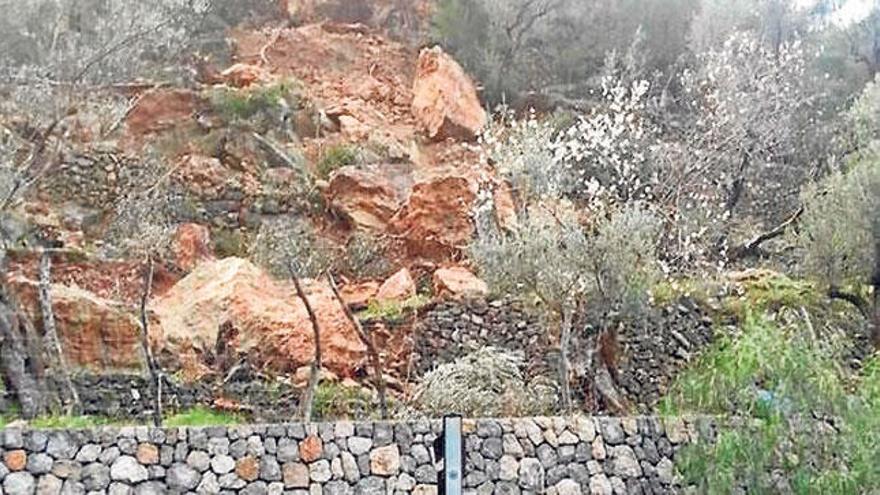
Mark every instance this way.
x=453 y=456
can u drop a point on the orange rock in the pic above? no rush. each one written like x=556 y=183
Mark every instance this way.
x=147 y=454
x=358 y=296
x=15 y=460
x=436 y=221
x=445 y=101
x=192 y=245
x=244 y=75
x=160 y=110
x=365 y=198
x=457 y=282
x=95 y=333
x=310 y=449
x=269 y=322
x=399 y=287
x=247 y=468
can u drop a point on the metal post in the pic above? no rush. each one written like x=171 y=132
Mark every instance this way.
x=453 y=456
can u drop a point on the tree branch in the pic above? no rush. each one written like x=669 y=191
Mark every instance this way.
x=309 y=396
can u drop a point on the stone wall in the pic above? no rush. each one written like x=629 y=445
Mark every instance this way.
x=504 y=456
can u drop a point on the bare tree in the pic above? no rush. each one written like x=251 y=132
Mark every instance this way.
x=50 y=332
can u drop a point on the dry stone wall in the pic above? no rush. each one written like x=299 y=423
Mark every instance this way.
x=561 y=456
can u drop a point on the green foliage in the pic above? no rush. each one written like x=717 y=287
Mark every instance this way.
x=70 y=422
x=336 y=157
x=393 y=311
x=778 y=385
x=243 y=104
x=289 y=243
x=487 y=382
x=770 y=292
x=335 y=402
x=203 y=416
x=230 y=242
x=840 y=227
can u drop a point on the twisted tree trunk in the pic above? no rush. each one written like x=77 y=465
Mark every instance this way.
x=50 y=333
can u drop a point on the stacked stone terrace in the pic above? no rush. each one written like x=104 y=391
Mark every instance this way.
x=561 y=456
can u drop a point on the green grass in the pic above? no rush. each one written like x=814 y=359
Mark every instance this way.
x=334 y=158
x=203 y=416
x=773 y=292
x=772 y=379
x=71 y=422
x=393 y=310
x=334 y=401
x=668 y=291
x=242 y=104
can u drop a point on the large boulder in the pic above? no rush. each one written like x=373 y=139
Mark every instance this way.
x=234 y=306
x=445 y=101
x=95 y=333
x=160 y=110
x=366 y=198
x=458 y=282
x=397 y=288
x=435 y=223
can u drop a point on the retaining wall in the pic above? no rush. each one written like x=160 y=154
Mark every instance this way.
x=561 y=456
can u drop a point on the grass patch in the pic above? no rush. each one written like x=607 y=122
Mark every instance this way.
x=772 y=292
x=334 y=401
x=334 y=158
x=393 y=310
x=668 y=291
x=71 y=422
x=243 y=104
x=780 y=383
x=203 y=416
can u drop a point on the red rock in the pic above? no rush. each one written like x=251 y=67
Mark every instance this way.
x=247 y=468
x=269 y=323
x=358 y=296
x=15 y=460
x=435 y=223
x=310 y=449
x=244 y=75
x=160 y=110
x=457 y=282
x=445 y=101
x=399 y=287
x=192 y=245
x=365 y=198
x=147 y=454
x=95 y=333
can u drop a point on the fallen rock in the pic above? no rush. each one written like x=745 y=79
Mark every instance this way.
x=457 y=282
x=365 y=198
x=192 y=245
x=398 y=288
x=445 y=101
x=156 y=111
x=244 y=75
x=358 y=296
x=95 y=333
x=435 y=223
x=262 y=318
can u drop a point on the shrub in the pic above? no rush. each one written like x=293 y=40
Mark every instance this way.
x=487 y=382
x=244 y=104
x=335 y=402
x=230 y=242
x=365 y=257
x=786 y=388
x=336 y=157
x=290 y=244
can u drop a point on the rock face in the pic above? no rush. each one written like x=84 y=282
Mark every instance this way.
x=244 y=75
x=160 y=110
x=445 y=100
x=95 y=333
x=365 y=198
x=262 y=317
x=192 y=245
x=458 y=282
x=436 y=220
x=399 y=287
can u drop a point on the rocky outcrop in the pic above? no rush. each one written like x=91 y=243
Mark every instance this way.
x=228 y=309
x=445 y=101
x=162 y=109
x=244 y=75
x=436 y=221
x=458 y=282
x=192 y=245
